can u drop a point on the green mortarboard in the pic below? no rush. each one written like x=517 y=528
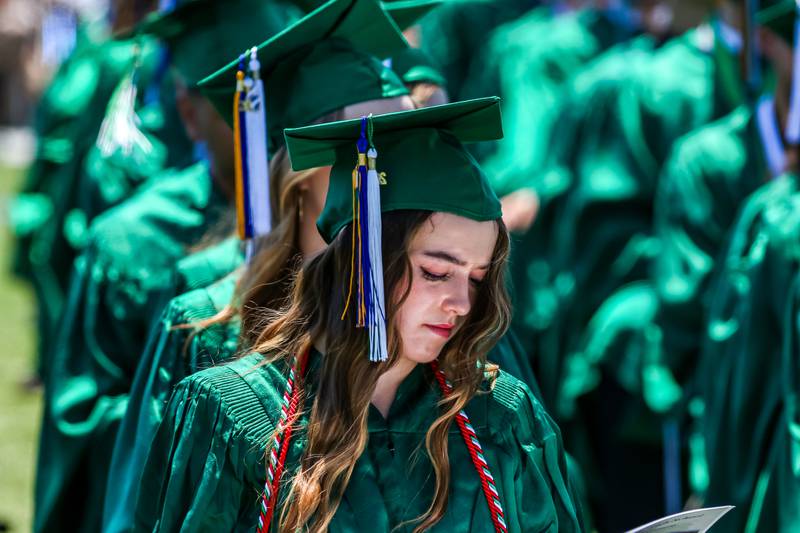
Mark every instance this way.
x=204 y=34
x=406 y=160
x=325 y=61
x=421 y=152
x=416 y=66
x=407 y=12
x=412 y=64
x=403 y=12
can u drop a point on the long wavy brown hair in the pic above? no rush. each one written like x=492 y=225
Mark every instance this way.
x=337 y=426
x=266 y=281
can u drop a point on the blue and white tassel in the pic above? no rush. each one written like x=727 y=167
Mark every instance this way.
x=366 y=254
x=254 y=214
x=257 y=157
x=242 y=146
x=376 y=317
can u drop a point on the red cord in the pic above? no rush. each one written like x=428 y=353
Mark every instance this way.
x=268 y=508
x=476 y=453
x=467 y=433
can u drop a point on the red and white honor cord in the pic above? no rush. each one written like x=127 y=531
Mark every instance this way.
x=277 y=453
x=476 y=452
x=282 y=439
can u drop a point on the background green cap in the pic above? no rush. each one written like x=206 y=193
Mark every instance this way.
x=322 y=63
x=204 y=34
x=407 y=12
x=420 y=151
x=414 y=65
x=403 y=12
x=779 y=16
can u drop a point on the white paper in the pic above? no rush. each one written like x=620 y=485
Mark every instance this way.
x=696 y=521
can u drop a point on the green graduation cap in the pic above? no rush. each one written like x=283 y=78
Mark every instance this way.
x=414 y=65
x=327 y=60
x=407 y=12
x=407 y=160
x=204 y=34
x=403 y=12
x=420 y=151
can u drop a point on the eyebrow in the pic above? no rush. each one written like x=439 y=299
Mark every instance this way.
x=444 y=256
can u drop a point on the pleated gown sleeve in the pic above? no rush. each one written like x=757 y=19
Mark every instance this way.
x=102 y=335
x=204 y=471
x=198 y=270
x=539 y=494
x=744 y=371
x=198 y=474
x=172 y=353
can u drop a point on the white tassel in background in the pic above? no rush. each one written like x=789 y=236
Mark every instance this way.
x=120 y=128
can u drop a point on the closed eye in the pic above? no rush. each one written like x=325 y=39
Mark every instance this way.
x=430 y=276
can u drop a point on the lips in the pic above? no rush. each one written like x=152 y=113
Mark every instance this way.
x=443 y=330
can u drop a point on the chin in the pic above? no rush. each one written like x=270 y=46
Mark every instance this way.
x=425 y=359
x=423 y=356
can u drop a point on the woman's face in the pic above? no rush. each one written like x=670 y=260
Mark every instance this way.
x=450 y=256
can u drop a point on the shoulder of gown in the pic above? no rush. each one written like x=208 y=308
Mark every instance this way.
x=512 y=408
x=202 y=470
x=208 y=265
x=153 y=217
x=519 y=425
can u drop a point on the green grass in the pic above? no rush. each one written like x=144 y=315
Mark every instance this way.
x=19 y=409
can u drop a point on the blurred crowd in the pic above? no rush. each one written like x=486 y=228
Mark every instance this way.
x=648 y=174
x=35 y=36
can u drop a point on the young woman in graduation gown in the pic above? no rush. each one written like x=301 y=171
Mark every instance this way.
x=368 y=404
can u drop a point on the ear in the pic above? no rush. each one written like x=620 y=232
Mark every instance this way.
x=187 y=111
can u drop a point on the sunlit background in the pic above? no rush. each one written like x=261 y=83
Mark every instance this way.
x=35 y=36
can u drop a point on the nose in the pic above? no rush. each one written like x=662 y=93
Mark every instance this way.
x=457 y=300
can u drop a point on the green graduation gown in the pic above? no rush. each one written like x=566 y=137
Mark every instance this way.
x=593 y=235
x=66 y=122
x=624 y=113
x=205 y=469
x=648 y=334
x=530 y=75
x=71 y=181
x=540 y=291
x=711 y=174
x=102 y=335
x=174 y=353
x=170 y=355
x=747 y=374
